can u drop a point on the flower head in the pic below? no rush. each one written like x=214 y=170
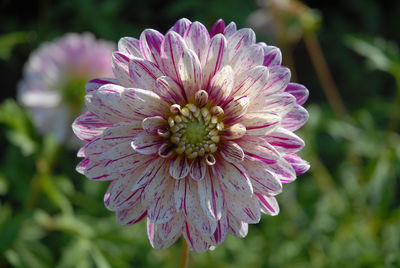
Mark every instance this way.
x=54 y=77
x=194 y=133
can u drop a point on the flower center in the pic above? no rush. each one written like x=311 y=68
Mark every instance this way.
x=195 y=130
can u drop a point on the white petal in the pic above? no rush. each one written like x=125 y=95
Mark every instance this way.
x=179 y=167
x=221 y=85
x=150 y=45
x=211 y=197
x=144 y=73
x=244 y=209
x=144 y=103
x=131 y=215
x=162 y=208
x=261 y=123
x=232 y=152
x=233 y=177
x=189 y=71
x=88 y=126
x=144 y=143
x=268 y=204
x=217 y=57
x=262 y=179
x=197 y=39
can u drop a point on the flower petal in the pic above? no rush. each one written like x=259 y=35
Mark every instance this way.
x=198 y=168
x=194 y=239
x=172 y=49
x=268 y=204
x=144 y=73
x=179 y=167
x=239 y=41
x=246 y=59
x=279 y=78
x=95 y=84
x=159 y=183
x=299 y=91
x=121 y=132
x=155 y=238
x=131 y=215
x=221 y=85
x=272 y=56
x=197 y=39
x=153 y=170
x=233 y=177
x=256 y=148
x=282 y=170
x=144 y=143
x=221 y=231
x=88 y=126
x=95 y=105
x=162 y=208
x=211 y=197
x=150 y=45
x=232 y=152
x=285 y=141
x=295 y=119
x=179 y=194
x=144 y=103
x=130 y=46
x=151 y=124
x=217 y=28
x=234 y=132
x=217 y=57
x=189 y=71
x=120 y=66
x=237 y=227
x=171 y=228
x=279 y=104
x=299 y=165
x=260 y=123
x=119 y=195
x=169 y=90
x=262 y=179
x=125 y=163
x=110 y=96
x=230 y=29
x=251 y=82
x=181 y=26
x=244 y=209
x=235 y=109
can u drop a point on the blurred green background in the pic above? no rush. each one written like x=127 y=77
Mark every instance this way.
x=343 y=213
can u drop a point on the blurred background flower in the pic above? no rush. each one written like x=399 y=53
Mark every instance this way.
x=54 y=78
x=344 y=212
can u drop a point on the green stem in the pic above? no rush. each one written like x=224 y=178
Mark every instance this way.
x=184 y=254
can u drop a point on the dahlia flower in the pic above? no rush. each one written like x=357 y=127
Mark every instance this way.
x=54 y=78
x=194 y=133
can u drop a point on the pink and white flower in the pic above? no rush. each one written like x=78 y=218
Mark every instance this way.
x=54 y=78
x=195 y=133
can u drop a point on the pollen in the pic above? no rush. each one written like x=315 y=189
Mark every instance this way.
x=195 y=130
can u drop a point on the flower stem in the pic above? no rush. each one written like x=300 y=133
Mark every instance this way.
x=324 y=75
x=184 y=254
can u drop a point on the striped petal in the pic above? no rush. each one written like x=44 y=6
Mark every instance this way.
x=211 y=197
x=120 y=66
x=88 y=126
x=150 y=45
x=162 y=208
x=295 y=119
x=144 y=73
x=179 y=167
x=236 y=108
x=144 y=103
x=245 y=209
x=237 y=227
x=272 y=56
x=131 y=215
x=285 y=141
x=197 y=39
x=232 y=152
x=152 y=124
x=221 y=85
x=256 y=148
x=299 y=165
x=260 y=123
x=299 y=91
x=189 y=71
x=130 y=46
x=119 y=195
x=217 y=57
x=181 y=26
x=268 y=204
x=262 y=179
x=233 y=177
x=198 y=168
x=144 y=143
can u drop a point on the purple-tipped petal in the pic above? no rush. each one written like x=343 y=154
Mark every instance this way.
x=299 y=91
x=216 y=58
x=217 y=28
x=272 y=56
x=285 y=141
x=181 y=26
x=197 y=39
x=129 y=45
x=299 y=165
